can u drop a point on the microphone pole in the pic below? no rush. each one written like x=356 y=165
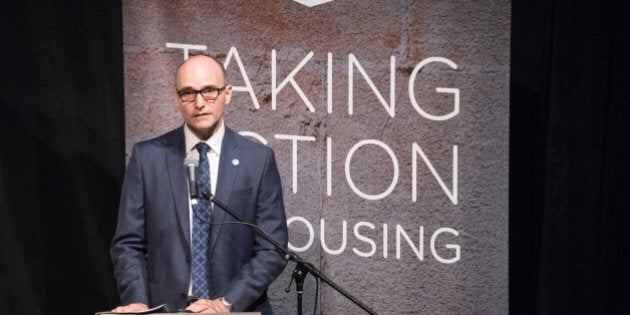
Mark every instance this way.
x=302 y=266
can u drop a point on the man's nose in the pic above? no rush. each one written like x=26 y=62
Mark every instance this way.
x=199 y=101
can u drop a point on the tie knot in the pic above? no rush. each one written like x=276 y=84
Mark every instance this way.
x=203 y=148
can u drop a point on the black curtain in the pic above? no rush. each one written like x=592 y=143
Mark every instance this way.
x=569 y=184
x=62 y=156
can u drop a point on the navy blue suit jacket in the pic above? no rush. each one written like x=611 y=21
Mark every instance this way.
x=151 y=248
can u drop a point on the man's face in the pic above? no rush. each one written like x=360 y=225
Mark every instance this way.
x=202 y=116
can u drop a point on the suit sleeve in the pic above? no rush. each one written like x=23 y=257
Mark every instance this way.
x=129 y=246
x=266 y=264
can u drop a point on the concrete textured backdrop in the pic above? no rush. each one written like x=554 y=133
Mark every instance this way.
x=474 y=35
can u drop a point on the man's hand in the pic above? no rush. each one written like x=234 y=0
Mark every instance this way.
x=208 y=306
x=133 y=307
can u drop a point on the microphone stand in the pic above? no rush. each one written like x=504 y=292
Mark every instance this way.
x=302 y=267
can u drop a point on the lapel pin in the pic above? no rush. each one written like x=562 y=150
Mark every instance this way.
x=236 y=162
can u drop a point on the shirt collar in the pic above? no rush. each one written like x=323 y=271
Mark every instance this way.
x=214 y=142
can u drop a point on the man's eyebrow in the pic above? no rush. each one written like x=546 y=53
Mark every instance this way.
x=188 y=88
x=212 y=87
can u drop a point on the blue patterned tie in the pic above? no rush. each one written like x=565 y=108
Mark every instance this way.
x=201 y=228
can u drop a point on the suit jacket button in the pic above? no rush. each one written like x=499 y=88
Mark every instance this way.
x=187 y=258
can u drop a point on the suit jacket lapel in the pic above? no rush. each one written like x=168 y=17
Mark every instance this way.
x=225 y=182
x=175 y=148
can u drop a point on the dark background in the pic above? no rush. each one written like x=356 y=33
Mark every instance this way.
x=62 y=156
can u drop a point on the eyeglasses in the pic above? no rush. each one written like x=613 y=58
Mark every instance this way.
x=208 y=94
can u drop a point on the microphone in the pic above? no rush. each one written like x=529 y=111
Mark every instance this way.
x=191 y=164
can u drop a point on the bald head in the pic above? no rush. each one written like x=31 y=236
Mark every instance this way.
x=197 y=64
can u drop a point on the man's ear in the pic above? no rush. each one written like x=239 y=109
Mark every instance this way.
x=228 y=94
x=176 y=99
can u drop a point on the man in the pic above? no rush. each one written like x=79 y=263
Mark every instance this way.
x=154 y=251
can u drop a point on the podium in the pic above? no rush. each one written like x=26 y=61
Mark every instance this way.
x=247 y=313
x=163 y=310
x=180 y=313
